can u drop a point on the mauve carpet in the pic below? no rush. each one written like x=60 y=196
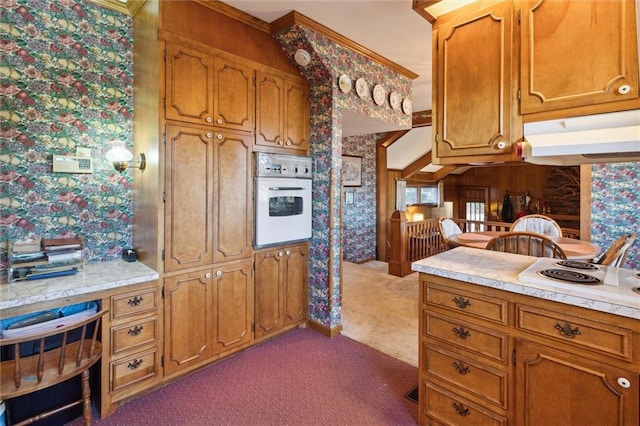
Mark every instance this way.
x=300 y=378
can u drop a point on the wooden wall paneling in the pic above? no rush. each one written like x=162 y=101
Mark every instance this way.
x=382 y=195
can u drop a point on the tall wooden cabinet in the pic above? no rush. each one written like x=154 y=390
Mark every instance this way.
x=201 y=89
x=282 y=113
x=207 y=313
x=474 y=98
x=280 y=288
x=493 y=357
x=559 y=44
x=499 y=63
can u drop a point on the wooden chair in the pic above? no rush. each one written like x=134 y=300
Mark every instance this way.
x=528 y=243
x=25 y=374
x=538 y=223
x=616 y=254
x=447 y=228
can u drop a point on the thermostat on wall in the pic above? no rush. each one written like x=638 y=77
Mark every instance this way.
x=69 y=164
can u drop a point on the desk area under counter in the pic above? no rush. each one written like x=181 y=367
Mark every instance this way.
x=131 y=333
x=517 y=346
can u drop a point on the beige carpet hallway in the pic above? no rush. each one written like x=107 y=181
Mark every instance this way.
x=381 y=310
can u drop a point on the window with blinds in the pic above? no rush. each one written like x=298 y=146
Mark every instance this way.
x=476 y=202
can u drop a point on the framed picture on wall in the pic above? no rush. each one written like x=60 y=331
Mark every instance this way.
x=351 y=170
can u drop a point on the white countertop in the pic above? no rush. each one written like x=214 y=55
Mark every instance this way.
x=500 y=270
x=95 y=277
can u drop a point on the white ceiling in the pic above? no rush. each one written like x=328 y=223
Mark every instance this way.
x=388 y=27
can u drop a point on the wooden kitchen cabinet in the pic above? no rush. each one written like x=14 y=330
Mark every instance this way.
x=133 y=330
x=473 y=99
x=488 y=356
x=203 y=89
x=555 y=387
x=280 y=289
x=557 y=67
x=282 y=113
x=208 y=170
x=207 y=313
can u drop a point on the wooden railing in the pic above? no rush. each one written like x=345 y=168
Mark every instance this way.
x=411 y=241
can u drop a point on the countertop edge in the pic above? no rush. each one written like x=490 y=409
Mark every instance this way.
x=506 y=278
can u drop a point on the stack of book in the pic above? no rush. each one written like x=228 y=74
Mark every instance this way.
x=37 y=259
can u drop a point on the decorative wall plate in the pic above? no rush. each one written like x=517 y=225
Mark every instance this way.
x=379 y=94
x=362 y=88
x=395 y=100
x=406 y=106
x=345 y=83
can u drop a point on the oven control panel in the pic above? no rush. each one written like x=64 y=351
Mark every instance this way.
x=283 y=165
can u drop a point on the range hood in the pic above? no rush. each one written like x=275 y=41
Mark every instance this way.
x=601 y=138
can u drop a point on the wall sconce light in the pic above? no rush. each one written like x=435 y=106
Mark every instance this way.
x=121 y=156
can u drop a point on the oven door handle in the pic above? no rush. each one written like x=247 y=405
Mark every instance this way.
x=285 y=188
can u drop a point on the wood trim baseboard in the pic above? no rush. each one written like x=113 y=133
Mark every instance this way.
x=323 y=329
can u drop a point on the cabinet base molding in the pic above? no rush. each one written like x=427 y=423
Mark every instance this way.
x=323 y=329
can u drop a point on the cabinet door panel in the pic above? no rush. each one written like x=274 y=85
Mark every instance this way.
x=268 y=314
x=233 y=195
x=189 y=198
x=553 y=387
x=269 y=110
x=189 y=320
x=234 y=96
x=296 y=116
x=295 y=283
x=474 y=84
x=189 y=85
x=577 y=53
x=233 y=306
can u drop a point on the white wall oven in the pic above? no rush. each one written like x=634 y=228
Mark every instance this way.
x=282 y=199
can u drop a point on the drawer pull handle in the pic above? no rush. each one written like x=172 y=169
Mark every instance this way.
x=460 y=409
x=135 y=301
x=136 y=330
x=135 y=364
x=461 y=368
x=461 y=303
x=567 y=331
x=461 y=332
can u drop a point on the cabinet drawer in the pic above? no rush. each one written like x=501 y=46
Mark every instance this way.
x=581 y=332
x=451 y=410
x=134 y=335
x=472 y=337
x=133 y=303
x=134 y=369
x=489 y=308
x=485 y=382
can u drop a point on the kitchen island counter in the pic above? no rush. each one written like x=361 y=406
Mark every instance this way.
x=501 y=270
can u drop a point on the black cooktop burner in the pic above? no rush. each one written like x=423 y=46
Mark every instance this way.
x=569 y=276
x=576 y=264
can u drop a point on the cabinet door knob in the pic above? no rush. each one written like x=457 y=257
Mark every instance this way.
x=501 y=145
x=209 y=119
x=624 y=89
x=288 y=252
x=218 y=273
x=624 y=382
x=280 y=143
x=207 y=275
x=220 y=121
x=288 y=143
x=209 y=134
x=219 y=136
x=279 y=254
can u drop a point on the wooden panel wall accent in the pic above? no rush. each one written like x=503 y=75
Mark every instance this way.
x=206 y=25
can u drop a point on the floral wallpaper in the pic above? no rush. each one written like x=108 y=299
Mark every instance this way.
x=66 y=81
x=329 y=61
x=615 y=206
x=359 y=218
